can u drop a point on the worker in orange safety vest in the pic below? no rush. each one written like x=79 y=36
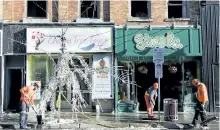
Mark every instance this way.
x=27 y=98
x=202 y=99
x=150 y=98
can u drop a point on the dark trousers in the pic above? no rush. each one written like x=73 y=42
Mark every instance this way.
x=200 y=110
x=23 y=115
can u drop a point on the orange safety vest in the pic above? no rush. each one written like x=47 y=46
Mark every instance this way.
x=30 y=92
x=202 y=93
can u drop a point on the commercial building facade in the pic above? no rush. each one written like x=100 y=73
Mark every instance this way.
x=34 y=59
x=134 y=52
x=155 y=18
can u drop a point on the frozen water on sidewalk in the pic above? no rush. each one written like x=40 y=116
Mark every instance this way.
x=107 y=121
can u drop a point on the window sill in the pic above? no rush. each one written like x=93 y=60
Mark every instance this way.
x=35 y=20
x=176 y=19
x=88 y=20
x=139 y=19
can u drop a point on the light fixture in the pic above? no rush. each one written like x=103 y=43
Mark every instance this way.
x=143 y=69
x=172 y=69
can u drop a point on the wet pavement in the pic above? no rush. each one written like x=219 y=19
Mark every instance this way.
x=104 y=121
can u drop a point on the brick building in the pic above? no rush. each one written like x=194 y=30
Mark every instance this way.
x=156 y=11
x=18 y=16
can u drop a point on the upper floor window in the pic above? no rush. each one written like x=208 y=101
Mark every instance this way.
x=141 y=9
x=177 y=9
x=37 y=9
x=90 y=9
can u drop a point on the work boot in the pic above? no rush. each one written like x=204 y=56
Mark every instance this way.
x=195 y=122
x=205 y=125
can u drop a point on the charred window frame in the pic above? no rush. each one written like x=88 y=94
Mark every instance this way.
x=37 y=9
x=140 y=9
x=90 y=9
x=178 y=9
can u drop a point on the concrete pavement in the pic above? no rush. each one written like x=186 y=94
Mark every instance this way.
x=94 y=121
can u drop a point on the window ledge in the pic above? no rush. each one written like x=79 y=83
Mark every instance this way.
x=139 y=19
x=88 y=20
x=176 y=19
x=35 y=20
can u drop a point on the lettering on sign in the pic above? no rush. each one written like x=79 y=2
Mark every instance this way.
x=144 y=41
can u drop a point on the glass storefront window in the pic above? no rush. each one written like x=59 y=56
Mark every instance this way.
x=39 y=68
x=127 y=90
x=175 y=83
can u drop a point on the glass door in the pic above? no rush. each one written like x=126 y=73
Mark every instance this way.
x=87 y=96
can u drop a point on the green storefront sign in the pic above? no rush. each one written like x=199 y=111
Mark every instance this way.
x=135 y=44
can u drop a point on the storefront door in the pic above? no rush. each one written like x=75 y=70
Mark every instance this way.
x=14 y=82
x=86 y=94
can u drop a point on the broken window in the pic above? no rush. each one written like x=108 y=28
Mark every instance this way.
x=177 y=9
x=140 y=8
x=37 y=9
x=90 y=9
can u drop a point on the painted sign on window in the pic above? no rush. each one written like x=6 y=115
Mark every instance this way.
x=102 y=83
x=144 y=41
x=76 y=39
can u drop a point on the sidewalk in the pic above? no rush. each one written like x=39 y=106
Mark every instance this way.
x=94 y=121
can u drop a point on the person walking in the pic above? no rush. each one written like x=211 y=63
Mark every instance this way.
x=150 y=97
x=201 y=101
x=27 y=98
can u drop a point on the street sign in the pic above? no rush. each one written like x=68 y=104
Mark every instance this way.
x=158 y=70
x=158 y=55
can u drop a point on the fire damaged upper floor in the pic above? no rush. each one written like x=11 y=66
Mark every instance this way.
x=157 y=12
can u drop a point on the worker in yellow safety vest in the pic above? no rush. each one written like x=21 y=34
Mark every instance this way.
x=150 y=98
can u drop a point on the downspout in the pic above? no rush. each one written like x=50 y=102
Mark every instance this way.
x=3 y=73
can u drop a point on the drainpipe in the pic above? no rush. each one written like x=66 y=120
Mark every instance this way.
x=2 y=83
x=3 y=72
x=116 y=85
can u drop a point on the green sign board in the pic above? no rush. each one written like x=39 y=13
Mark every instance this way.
x=144 y=41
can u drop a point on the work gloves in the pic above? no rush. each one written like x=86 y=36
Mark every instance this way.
x=26 y=96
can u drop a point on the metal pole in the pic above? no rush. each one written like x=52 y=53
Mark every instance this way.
x=60 y=90
x=159 y=99
x=183 y=85
x=128 y=85
x=59 y=106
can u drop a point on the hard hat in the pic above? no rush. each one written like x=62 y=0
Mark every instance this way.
x=155 y=85
x=37 y=84
x=195 y=81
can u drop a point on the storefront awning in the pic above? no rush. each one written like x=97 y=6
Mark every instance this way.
x=138 y=42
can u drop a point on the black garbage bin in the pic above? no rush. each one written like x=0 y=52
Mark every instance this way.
x=170 y=108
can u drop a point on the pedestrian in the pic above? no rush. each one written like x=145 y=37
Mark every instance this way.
x=150 y=97
x=201 y=101
x=27 y=99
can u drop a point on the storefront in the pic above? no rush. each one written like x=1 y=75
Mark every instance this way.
x=182 y=62
x=34 y=60
x=94 y=44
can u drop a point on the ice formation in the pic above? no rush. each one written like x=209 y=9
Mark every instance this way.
x=65 y=76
